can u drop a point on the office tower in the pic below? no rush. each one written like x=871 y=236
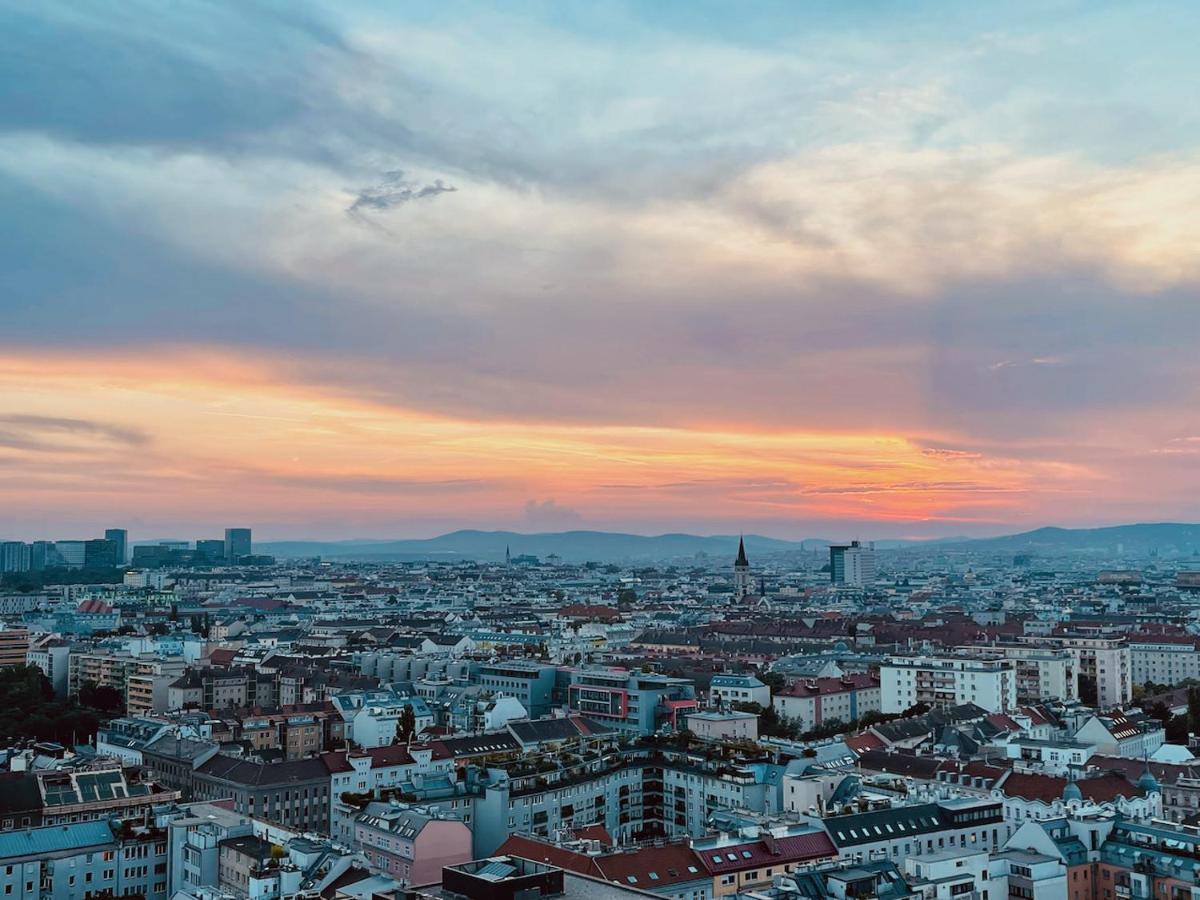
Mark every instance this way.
x=71 y=554
x=741 y=572
x=852 y=564
x=14 y=556
x=120 y=540
x=212 y=550
x=100 y=553
x=43 y=555
x=237 y=544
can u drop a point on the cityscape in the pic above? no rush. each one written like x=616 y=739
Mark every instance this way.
x=457 y=450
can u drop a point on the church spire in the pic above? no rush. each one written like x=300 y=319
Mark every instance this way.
x=741 y=557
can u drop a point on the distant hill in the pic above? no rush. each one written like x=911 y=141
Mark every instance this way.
x=1165 y=537
x=572 y=546
x=604 y=546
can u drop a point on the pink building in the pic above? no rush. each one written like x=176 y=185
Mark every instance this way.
x=411 y=843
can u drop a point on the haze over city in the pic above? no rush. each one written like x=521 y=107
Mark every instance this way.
x=824 y=270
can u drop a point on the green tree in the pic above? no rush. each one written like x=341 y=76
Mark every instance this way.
x=1193 y=704
x=406 y=725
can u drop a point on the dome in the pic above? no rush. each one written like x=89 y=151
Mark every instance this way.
x=1148 y=783
x=1072 y=792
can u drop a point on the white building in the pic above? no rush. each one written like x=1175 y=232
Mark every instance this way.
x=1104 y=660
x=726 y=690
x=1043 y=673
x=947 y=681
x=1164 y=659
x=852 y=564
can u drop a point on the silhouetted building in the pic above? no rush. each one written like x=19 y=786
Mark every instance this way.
x=237 y=544
x=120 y=541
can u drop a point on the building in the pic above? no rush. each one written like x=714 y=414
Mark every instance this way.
x=813 y=702
x=119 y=538
x=14 y=647
x=637 y=702
x=716 y=725
x=726 y=690
x=143 y=680
x=742 y=584
x=1102 y=662
x=294 y=794
x=15 y=556
x=852 y=564
x=52 y=655
x=1164 y=659
x=411 y=843
x=237 y=544
x=947 y=681
x=920 y=829
x=530 y=682
x=84 y=860
x=71 y=554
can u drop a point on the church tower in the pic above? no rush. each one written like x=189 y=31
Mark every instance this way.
x=741 y=573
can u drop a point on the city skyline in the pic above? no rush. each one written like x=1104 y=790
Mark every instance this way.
x=852 y=271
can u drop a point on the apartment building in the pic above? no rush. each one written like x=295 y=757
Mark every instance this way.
x=143 y=680
x=726 y=690
x=1163 y=659
x=1103 y=660
x=410 y=843
x=52 y=655
x=1043 y=673
x=83 y=860
x=635 y=702
x=989 y=683
x=14 y=646
x=813 y=702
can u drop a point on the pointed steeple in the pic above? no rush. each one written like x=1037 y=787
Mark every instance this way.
x=741 y=557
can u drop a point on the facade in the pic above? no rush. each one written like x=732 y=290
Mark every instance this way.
x=15 y=556
x=119 y=538
x=411 y=844
x=726 y=690
x=1105 y=661
x=53 y=656
x=14 y=647
x=947 y=681
x=1163 y=659
x=84 y=860
x=532 y=683
x=237 y=544
x=813 y=702
x=143 y=680
x=636 y=702
x=716 y=725
x=852 y=564
x=294 y=794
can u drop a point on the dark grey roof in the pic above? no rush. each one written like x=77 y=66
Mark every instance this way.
x=255 y=774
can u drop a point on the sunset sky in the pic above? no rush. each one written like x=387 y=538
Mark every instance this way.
x=827 y=269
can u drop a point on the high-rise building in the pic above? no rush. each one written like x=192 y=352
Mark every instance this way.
x=741 y=572
x=852 y=564
x=100 y=553
x=14 y=556
x=71 y=553
x=212 y=550
x=43 y=555
x=120 y=541
x=237 y=544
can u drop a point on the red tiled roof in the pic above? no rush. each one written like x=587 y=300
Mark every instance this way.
x=753 y=854
x=1003 y=722
x=540 y=851
x=668 y=865
x=819 y=686
x=860 y=743
x=1048 y=788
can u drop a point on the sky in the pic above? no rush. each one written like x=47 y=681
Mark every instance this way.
x=823 y=269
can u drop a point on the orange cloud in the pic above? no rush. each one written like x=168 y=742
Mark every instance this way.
x=222 y=435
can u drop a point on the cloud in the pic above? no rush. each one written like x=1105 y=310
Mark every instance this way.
x=57 y=434
x=395 y=190
x=550 y=515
